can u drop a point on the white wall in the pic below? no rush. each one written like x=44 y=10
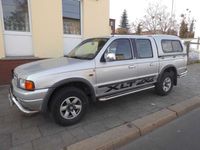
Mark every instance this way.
x=71 y=41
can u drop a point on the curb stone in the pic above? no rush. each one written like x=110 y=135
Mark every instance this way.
x=185 y=106
x=155 y=120
x=121 y=135
x=109 y=139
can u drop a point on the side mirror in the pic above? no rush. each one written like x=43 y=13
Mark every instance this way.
x=110 y=57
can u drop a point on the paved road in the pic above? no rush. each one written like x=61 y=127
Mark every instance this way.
x=181 y=134
x=36 y=132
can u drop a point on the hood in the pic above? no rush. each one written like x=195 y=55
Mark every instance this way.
x=51 y=66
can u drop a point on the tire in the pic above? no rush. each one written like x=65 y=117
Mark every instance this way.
x=68 y=106
x=165 y=85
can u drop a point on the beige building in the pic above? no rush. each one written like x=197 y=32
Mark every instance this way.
x=49 y=28
x=37 y=29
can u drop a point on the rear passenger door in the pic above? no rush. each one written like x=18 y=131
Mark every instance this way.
x=146 y=60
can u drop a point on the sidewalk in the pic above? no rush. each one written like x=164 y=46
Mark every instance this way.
x=181 y=134
x=37 y=132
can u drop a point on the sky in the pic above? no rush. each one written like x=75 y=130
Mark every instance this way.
x=136 y=10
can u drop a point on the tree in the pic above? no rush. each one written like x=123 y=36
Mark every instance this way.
x=191 y=31
x=139 y=29
x=158 y=19
x=183 y=29
x=187 y=25
x=192 y=25
x=124 y=23
x=121 y=31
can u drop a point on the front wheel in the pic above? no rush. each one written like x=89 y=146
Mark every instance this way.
x=165 y=85
x=69 y=106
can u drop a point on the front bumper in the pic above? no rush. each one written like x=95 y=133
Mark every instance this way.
x=28 y=102
x=13 y=101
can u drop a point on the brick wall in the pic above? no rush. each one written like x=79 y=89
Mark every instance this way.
x=6 y=67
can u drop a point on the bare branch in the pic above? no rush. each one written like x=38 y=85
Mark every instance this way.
x=158 y=19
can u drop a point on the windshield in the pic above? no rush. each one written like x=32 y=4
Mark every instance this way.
x=88 y=49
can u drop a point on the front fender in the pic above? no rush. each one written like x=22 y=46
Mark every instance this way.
x=62 y=83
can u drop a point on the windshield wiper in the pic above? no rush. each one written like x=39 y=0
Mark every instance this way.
x=67 y=56
x=77 y=57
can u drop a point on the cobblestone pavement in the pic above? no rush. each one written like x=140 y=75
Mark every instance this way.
x=38 y=132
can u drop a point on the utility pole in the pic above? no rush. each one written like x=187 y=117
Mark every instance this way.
x=171 y=20
x=172 y=11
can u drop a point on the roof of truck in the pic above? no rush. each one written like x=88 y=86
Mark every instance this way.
x=153 y=35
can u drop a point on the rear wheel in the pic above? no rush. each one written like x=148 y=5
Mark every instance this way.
x=69 y=106
x=165 y=85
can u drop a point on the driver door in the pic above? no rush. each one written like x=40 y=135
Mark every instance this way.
x=115 y=75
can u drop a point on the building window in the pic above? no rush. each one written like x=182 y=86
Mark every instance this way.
x=15 y=15
x=71 y=17
x=112 y=25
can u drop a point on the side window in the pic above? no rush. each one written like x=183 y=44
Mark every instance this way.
x=177 y=46
x=144 y=48
x=170 y=46
x=167 y=46
x=121 y=48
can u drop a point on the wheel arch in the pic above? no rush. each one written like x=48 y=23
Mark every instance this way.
x=80 y=83
x=168 y=68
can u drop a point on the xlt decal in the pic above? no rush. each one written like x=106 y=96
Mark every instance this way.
x=119 y=86
x=145 y=80
x=128 y=84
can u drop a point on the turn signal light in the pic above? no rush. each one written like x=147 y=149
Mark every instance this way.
x=29 y=85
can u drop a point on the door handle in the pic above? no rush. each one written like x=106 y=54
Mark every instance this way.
x=151 y=64
x=132 y=67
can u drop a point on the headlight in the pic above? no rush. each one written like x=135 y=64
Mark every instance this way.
x=26 y=84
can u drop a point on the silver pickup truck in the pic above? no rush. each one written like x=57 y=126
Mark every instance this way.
x=98 y=69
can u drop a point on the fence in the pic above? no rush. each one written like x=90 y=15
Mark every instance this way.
x=193 y=49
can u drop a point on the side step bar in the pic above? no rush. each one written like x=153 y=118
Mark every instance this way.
x=125 y=93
